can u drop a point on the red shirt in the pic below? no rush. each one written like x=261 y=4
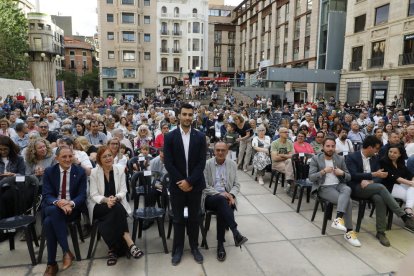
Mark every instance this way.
x=159 y=141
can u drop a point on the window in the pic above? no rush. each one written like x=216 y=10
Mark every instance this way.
x=84 y=53
x=109 y=1
x=127 y=2
x=196 y=62
x=296 y=35
x=214 y=12
x=164 y=9
x=128 y=18
x=230 y=56
x=109 y=72
x=164 y=44
x=307 y=46
x=147 y=19
x=164 y=64
x=360 y=23
x=356 y=61
x=176 y=12
x=295 y=49
x=277 y=54
x=147 y=37
x=40 y=26
x=147 y=55
x=189 y=27
x=110 y=84
x=128 y=36
x=109 y=17
x=164 y=28
x=128 y=56
x=196 y=27
x=232 y=37
x=196 y=44
x=194 y=11
x=176 y=65
x=309 y=5
x=176 y=29
x=217 y=37
x=381 y=14
x=71 y=53
x=32 y=26
x=129 y=73
x=410 y=7
x=147 y=3
x=110 y=35
x=308 y=25
x=377 y=54
x=111 y=54
x=298 y=10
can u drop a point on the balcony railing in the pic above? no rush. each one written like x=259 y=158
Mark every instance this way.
x=164 y=32
x=176 y=51
x=375 y=62
x=164 y=50
x=355 y=65
x=406 y=59
x=177 y=33
x=169 y=69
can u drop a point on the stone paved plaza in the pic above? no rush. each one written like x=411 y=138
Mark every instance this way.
x=281 y=242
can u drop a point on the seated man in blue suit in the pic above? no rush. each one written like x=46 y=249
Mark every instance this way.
x=64 y=193
x=366 y=177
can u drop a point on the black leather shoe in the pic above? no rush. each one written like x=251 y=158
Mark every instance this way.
x=197 y=255
x=221 y=253
x=176 y=258
x=239 y=239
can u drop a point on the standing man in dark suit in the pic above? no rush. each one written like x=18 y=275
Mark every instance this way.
x=185 y=159
x=366 y=178
x=64 y=193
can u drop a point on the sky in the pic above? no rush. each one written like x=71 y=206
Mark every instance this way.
x=83 y=12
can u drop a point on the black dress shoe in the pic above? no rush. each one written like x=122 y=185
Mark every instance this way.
x=176 y=258
x=197 y=255
x=239 y=239
x=221 y=253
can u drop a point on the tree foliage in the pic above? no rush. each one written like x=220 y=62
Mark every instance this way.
x=70 y=79
x=13 y=41
x=90 y=81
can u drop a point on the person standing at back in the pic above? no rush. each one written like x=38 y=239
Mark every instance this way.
x=185 y=159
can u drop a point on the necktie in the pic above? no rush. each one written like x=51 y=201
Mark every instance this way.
x=64 y=186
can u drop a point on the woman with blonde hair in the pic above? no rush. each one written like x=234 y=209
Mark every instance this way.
x=114 y=146
x=144 y=137
x=38 y=157
x=82 y=143
x=5 y=128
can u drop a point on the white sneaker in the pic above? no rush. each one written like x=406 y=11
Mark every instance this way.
x=260 y=179
x=351 y=237
x=339 y=224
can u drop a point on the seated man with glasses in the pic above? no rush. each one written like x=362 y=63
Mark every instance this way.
x=222 y=189
x=44 y=132
x=281 y=153
x=317 y=145
x=95 y=137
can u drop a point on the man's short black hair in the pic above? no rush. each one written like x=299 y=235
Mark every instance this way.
x=329 y=139
x=371 y=141
x=186 y=106
x=19 y=127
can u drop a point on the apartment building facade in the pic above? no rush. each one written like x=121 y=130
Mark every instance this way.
x=78 y=56
x=182 y=44
x=291 y=34
x=128 y=36
x=379 y=51
x=222 y=41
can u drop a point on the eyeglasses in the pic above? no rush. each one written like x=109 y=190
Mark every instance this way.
x=106 y=156
x=4 y=149
x=43 y=126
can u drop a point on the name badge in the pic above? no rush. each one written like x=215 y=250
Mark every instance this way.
x=20 y=178
x=345 y=153
x=301 y=154
x=141 y=158
x=147 y=173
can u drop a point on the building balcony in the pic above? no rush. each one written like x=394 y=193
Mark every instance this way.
x=177 y=33
x=406 y=59
x=355 y=65
x=164 y=32
x=169 y=69
x=164 y=50
x=176 y=51
x=377 y=62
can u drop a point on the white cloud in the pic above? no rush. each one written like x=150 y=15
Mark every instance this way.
x=83 y=12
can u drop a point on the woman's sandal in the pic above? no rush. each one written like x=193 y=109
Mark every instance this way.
x=112 y=258
x=135 y=252
x=409 y=212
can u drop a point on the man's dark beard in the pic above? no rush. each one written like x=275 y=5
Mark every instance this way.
x=329 y=155
x=343 y=138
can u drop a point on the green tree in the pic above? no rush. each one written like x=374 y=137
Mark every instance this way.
x=70 y=80
x=90 y=81
x=13 y=41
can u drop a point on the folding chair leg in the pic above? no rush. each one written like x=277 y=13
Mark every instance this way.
x=315 y=209
x=29 y=242
x=308 y=193
x=361 y=211
x=75 y=242
x=390 y=218
x=169 y=228
x=203 y=235
x=34 y=235
x=271 y=179
x=42 y=246
x=94 y=231
x=134 y=229
x=11 y=241
x=80 y=232
x=372 y=210
x=208 y=221
x=160 y=223
x=140 y=226
x=295 y=191
x=300 y=199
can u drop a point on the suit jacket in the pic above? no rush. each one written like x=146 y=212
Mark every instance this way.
x=175 y=163
x=77 y=185
x=318 y=163
x=232 y=183
x=97 y=188
x=356 y=169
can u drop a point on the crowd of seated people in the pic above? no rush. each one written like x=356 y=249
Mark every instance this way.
x=365 y=153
